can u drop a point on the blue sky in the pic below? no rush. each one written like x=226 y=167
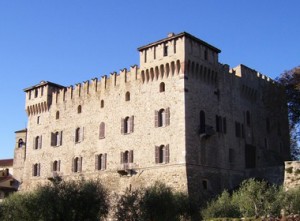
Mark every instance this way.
x=68 y=42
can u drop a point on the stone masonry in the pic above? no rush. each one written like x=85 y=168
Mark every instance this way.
x=181 y=117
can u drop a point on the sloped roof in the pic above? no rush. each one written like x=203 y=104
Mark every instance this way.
x=6 y=163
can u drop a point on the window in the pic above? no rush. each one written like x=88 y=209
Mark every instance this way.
x=250 y=156
x=38 y=120
x=204 y=184
x=162 y=154
x=56 y=138
x=127 y=157
x=174 y=46
x=202 y=122
x=42 y=91
x=20 y=143
x=145 y=56
x=162 y=117
x=102 y=103
x=165 y=50
x=57 y=115
x=162 y=87
x=37 y=143
x=154 y=52
x=221 y=124
x=78 y=134
x=102 y=130
x=36 y=168
x=239 y=130
x=127 y=125
x=248 y=119
x=100 y=161
x=36 y=92
x=77 y=164
x=127 y=96
x=56 y=166
x=79 y=109
x=205 y=54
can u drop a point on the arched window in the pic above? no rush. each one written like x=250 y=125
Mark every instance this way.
x=20 y=143
x=37 y=142
x=205 y=54
x=126 y=157
x=162 y=87
x=77 y=135
x=79 y=109
x=56 y=166
x=100 y=163
x=127 y=96
x=57 y=115
x=126 y=125
x=36 y=169
x=162 y=154
x=102 y=103
x=102 y=130
x=161 y=117
x=248 y=119
x=202 y=122
x=77 y=164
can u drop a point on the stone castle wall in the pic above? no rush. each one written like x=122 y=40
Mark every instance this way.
x=194 y=81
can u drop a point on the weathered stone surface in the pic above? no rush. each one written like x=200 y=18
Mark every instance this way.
x=245 y=131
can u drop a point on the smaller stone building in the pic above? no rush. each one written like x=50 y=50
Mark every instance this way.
x=7 y=182
x=292 y=175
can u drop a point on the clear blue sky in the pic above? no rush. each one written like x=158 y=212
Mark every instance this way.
x=68 y=42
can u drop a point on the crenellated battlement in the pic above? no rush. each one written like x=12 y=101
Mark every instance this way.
x=97 y=85
x=249 y=74
x=181 y=54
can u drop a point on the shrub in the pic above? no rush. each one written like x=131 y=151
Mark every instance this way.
x=65 y=201
x=222 y=206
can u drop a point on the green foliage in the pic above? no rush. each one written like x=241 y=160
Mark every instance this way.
x=291 y=201
x=128 y=206
x=253 y=199
x=19 y=206
x=256 y=198
x=222 y=206
x=65 y=201
x=157 y=202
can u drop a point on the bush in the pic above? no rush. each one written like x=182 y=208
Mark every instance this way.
x=128 y=206
x=65 y=201
x=222 y=206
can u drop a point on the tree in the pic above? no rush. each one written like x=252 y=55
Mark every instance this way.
x=221 y=207
x=291 y=82
x=128 y=206
x=257 y=198
x=59 y=201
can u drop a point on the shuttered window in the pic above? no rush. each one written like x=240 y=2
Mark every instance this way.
x=162 y=117
x=127 y=125
x=100 y=161
x=162 y=154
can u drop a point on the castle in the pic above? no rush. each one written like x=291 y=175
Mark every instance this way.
x=181 y=117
